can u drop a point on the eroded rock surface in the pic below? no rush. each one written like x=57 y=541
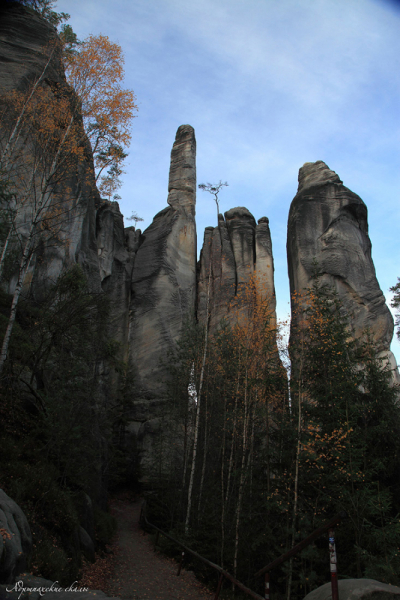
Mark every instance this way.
x=28 y=55
x=116 y=249
x=233 y=253
x=163 y=286
x=328 y=232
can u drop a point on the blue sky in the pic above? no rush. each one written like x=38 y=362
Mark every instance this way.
x=267 y=85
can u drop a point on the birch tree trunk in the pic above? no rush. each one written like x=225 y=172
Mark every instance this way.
x=4 y=251
x=203 y=469
x=196 y=430
x=230 y=467
x=222 y=548
x=41 y=205
x=242 y=475
x=12 y=140
x=296 y=477
x=23 y=268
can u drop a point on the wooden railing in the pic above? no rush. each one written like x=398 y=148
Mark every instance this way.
x=223 y=574
x=328 y=526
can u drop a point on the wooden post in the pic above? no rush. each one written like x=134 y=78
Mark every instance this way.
x=180 y=564
x=333 y=564
x=221 y=578
x=267 y=585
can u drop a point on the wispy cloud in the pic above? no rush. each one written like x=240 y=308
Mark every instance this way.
x=268 y=85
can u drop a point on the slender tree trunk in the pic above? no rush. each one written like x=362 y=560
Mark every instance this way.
x=251 y=458
x=203 y=469
x=242 y=475
x=44 y=200
x=4 y=251
x=196 y=431
x=268 y=449
x=296 y=477
x=15 y=132
x=230 y=467
x=222 y=549
x=24 y=266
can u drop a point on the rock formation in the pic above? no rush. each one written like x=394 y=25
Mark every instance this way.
x=328 y=231
x=15 y=541
x=163 y=285
x=116 y=249
x=151 y=277
x=232 y=253
x=28 y=55
x=357 y=589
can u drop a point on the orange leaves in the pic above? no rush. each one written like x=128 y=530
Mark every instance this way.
x=96 y=73
x=5 y=534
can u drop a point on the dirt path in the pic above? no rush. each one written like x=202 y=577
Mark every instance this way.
x=141 y=573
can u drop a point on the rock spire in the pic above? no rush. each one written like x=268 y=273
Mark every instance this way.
x=328 y=231
x=163 y=290
x=233 y=252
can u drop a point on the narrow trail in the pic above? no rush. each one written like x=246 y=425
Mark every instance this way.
x=140 y=572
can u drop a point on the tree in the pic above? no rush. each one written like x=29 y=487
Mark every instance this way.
x=134 y=217
x=242 y=386
x=349 y=448
x=95 y=71
x=214 y=189
x=43 y=143
x=45 y=9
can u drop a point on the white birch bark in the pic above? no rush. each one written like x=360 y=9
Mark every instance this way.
x=12 y=140
x=197 y=424
x=296 y=477
x=242 y=475
x=42 y=204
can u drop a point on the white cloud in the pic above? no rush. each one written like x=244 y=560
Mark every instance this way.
x=268 y=85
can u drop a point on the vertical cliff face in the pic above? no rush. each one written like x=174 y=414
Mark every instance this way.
x=29 y=56
x=163 y=288
x=328 y=230
x=232 y=253
x=116 y=249
x=164 y=274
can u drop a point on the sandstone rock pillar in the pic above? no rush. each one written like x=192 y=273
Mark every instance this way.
x=235 y=251
x=163 y=287
x=328 y=230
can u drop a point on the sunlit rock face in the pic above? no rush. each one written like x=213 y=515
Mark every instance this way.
x=328 y=233
x=233 y=253
x=164 y=274
x=163 y=287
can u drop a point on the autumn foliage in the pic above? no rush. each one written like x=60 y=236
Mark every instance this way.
x=96 y=72
x=273 y=465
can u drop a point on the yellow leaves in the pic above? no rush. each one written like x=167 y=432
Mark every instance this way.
x=96 y=73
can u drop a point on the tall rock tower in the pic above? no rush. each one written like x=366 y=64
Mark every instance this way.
x=163 y=288
x=328 y=227
x=232 y=252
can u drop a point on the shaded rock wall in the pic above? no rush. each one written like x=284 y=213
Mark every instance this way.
x=232 y=253
x=328 y=230
x=116 y=249
x=25 y=46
